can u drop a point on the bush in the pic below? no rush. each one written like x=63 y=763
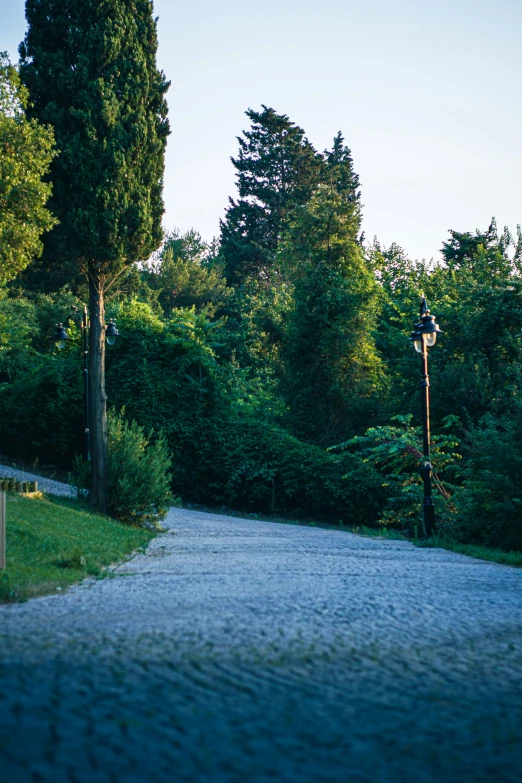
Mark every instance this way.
x=395 y=451
x=267 y=469
x=489 y=504
x=41 y=413
x=41 y=396
x=139 y=473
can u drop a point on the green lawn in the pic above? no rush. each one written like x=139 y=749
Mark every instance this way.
x=52 y=543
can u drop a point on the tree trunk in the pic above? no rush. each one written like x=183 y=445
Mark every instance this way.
x=97 y=396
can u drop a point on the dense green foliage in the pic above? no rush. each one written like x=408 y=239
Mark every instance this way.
x=253 y=355
x=26 y=152
x=139 y=478
x=489 y=504
x=332 y=369
x=395 y=450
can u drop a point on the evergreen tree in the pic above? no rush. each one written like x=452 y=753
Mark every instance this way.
x=340 y=173
x=277 y=168
x=26 y=151
x=90 y=68
x=332 y=367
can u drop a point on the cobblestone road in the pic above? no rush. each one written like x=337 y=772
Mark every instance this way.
x=238 y=650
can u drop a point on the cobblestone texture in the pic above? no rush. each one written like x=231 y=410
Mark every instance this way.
x=236 y=650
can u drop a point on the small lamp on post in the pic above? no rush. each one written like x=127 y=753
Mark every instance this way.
x=111 y=333
x=423 y=337
x=60 y=336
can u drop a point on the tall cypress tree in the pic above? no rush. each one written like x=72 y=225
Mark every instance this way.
x=90 y=68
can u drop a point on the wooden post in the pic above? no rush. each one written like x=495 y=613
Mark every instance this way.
x=2 y=531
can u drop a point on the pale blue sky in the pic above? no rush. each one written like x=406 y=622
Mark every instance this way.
x=427 y=95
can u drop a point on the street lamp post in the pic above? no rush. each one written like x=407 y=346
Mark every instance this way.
x=424 y=336
x=60 y=338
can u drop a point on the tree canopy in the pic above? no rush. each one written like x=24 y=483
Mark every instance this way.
x=275 y=361
x=26 y=151
x=90 y=69
x=277 y=169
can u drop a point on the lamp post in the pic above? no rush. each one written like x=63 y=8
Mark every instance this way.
x=424 y=336
x=60 y=338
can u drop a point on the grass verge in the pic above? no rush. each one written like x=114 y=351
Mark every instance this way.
x=475 y=550
x=54 y=542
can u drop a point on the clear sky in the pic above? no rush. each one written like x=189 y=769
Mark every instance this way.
x=426 y=92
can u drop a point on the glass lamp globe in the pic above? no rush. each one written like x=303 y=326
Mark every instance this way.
x=431 y=339
x=60 y=336
x=111 y=333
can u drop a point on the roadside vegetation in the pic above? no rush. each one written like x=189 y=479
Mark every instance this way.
x=269 y=370
x=479 y=551
x=54 y=542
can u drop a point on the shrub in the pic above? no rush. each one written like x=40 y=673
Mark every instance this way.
x=396 y=452
x=41 y=412
x=259 y=467
x=489 y=504
x=139 y=473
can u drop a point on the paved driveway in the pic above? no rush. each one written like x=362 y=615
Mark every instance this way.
x=238 y=650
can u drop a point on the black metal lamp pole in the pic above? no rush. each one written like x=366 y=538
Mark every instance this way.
x=60 y=337
x=424 y=337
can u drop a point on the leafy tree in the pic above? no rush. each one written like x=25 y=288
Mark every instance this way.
x=26 y=152
x=90 y=69
x=395 y=450
x=402 y=282
x=339 y=173
x=479 y=302
x=464 y=250
x=185 y=274
x=277 y=172
x=332 y=367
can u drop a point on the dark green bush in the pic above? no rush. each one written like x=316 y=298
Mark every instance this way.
x=41 y=413
x=168 y=377
x=41 y=408
x=489 y=504
x=139 y=473
x=395 y=451
x=266 y=469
